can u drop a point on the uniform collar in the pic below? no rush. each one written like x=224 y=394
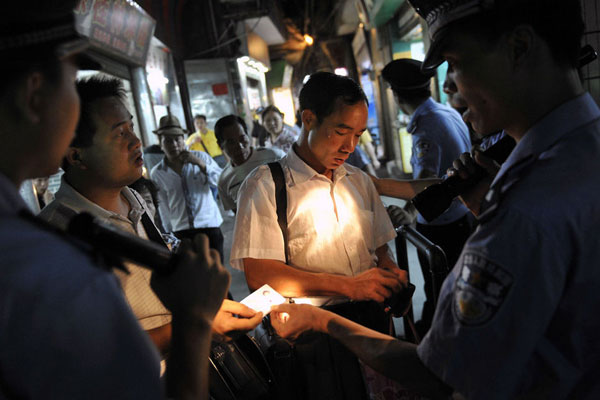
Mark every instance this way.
x=550 y=129
x=301 y=172
x=69 y=196
x=422 y=109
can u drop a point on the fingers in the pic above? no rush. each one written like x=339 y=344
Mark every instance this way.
x=240 y=309
x=246 y=324
x=201 y=246
x=488 y=163
x=399 y=216
x=285 y=307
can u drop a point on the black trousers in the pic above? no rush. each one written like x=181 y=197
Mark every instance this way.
x=326 y=369
x=451 y=238
x=215 y=237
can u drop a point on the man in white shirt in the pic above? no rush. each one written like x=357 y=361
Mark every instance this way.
x=103 y=159
x=186 y=204
x=337 y=228
x=232 y=136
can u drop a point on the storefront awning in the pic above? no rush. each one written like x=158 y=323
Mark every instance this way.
x=382 y=11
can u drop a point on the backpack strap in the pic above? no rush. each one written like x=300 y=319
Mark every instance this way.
x=281 y=202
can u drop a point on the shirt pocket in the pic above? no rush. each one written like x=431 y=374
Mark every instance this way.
x=362 y=234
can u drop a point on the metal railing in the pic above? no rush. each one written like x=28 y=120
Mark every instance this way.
x=438 y=268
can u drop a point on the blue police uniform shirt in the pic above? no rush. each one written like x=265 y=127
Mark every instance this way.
x=66 y=331
x=439 y=136
x=519 y=313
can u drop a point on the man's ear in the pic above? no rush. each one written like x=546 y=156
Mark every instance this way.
x=30 y=98
x=73 y=157
x=309 y=119
x=521 y=41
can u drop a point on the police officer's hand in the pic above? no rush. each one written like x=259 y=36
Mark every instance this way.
x=377 y=284
x=195 y=289
x=464 y=167
x=291 y=320
x=234 y=318
x=401 y=216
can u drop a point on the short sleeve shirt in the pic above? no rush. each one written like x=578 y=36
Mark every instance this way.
x=439 y=136
x=146 y=306
x=518 y=314
x=232 y=176
x=318 y=240
x=206 y=142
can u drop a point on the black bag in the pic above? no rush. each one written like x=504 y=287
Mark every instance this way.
x=239 y=371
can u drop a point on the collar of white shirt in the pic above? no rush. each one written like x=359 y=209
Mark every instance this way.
x=301 y=172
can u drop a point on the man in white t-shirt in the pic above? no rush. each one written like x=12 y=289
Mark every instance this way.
x=232 y=136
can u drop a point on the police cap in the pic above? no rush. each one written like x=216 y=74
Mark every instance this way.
x=36 y=30
x=405 y=75
x=440 y=14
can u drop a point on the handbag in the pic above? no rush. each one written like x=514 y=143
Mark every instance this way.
x=239 y=371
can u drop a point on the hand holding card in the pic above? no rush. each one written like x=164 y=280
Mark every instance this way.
x=263 y=298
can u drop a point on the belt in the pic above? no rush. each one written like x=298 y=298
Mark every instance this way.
x=320 y=301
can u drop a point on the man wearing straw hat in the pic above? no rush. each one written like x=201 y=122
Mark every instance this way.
x=186 y=204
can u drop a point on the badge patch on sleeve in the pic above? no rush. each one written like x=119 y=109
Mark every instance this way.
x=480 y=289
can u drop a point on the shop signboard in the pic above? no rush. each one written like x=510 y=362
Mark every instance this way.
x=119 y=28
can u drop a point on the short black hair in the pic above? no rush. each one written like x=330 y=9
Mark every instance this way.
x=322 y=91
x=268 y=109
x=558 y=22
x=91 y=89
x=200 y=116
x=226 y=121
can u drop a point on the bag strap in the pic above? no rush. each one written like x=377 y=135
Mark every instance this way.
x=281 y=202
x=151 y=229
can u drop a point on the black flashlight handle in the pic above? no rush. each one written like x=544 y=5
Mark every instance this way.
x=433 y=201
x=113 y=241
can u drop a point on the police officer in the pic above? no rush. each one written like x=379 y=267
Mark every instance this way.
x=439 y=136
x=65 y=328
x=517 y=316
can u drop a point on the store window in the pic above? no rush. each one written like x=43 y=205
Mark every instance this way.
x=162 y=82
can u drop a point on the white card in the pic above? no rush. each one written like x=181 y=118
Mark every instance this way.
x=263 y=298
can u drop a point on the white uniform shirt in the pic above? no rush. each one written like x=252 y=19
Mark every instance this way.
x=232 y=177
x=185 y=201
x=319 y=241
x=146 y=306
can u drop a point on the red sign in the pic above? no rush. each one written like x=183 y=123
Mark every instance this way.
x=220 y=89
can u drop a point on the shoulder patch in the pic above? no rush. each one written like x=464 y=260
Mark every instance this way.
x=480 y=289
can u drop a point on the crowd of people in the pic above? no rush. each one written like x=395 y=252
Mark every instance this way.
x=516 y=315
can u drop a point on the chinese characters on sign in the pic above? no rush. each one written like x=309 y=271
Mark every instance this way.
x=118 y=27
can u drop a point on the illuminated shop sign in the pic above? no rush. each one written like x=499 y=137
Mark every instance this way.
x=118 y=27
